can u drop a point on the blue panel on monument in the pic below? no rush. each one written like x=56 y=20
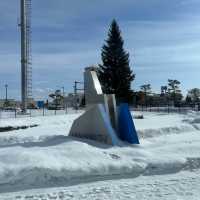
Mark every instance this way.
x=127 y=129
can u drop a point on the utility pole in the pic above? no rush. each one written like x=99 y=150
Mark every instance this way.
x=76 y=89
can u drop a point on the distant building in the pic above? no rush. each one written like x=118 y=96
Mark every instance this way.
x=12 y=103
x=72 y=100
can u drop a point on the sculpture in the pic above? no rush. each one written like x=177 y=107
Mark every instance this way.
x=100 y=121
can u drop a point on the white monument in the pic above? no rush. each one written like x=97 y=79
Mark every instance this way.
x=99 y=122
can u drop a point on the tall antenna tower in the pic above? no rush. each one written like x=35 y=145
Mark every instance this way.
x=26 y=58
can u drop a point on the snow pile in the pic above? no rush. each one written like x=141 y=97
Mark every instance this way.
x=74 y=162
x=48 y=127
x=45 y=155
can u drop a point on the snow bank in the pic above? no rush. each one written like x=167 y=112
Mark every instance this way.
x=48 y=127
x=74 y=162
x=45 y=155
x=161 y=124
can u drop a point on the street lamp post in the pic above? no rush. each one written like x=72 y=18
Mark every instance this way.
x=6 y=87
x=64 y=104
x=63 y=88
x=76 y=89
x=6 y=93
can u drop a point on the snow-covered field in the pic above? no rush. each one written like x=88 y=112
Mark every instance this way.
x=181 y=186
x=166 y=165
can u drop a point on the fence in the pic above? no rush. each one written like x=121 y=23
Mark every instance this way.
x=166 y=109
x=5 y=114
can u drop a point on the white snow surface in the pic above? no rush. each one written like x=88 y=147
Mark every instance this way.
x=45 y=156
x=180 y=186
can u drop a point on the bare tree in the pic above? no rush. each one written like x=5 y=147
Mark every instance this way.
x=194 y=94
x=164 y=90
x=146 y=89
x=57 y=98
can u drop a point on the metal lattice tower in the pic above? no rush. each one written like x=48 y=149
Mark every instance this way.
x=29 y=49
x=26 y=58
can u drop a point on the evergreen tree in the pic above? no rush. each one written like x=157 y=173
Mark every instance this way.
x=115 y=73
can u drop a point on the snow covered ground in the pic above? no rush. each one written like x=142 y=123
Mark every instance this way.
x=181 y=186
x=167 y=162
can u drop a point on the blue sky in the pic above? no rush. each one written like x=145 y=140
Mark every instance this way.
x=162 y=37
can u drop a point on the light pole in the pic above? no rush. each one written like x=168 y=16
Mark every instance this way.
x=6 y=87
x=63 y=88
x=64 y=104
x=6 y=97
x=76 y=89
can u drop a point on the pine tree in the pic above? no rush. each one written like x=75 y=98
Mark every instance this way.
x=115 y=73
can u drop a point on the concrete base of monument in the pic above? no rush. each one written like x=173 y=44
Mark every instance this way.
x=95 y=124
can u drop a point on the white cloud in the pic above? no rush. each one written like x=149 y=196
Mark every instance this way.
x=67 y=36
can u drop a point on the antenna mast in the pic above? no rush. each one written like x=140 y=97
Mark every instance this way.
x=26 y=58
